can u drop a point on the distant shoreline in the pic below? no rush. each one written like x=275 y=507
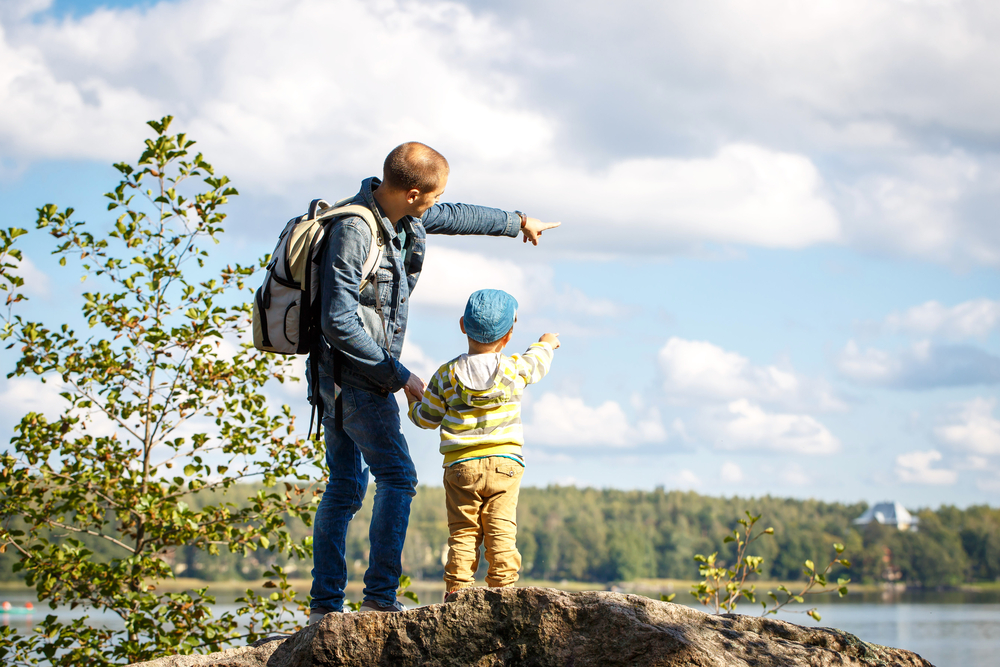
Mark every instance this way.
x=651 y=587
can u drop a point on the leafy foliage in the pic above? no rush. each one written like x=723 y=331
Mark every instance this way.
x=161 y=404
x=722 y=587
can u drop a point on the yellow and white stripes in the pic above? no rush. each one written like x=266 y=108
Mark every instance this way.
x=481 y=418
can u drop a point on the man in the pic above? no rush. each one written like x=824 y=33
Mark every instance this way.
x=364 y=345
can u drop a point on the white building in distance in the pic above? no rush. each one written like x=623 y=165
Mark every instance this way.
x=888 y=513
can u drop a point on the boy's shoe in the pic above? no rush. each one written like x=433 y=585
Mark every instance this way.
x=316 y=615
x=371 y=605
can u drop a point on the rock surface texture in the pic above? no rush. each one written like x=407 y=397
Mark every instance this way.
x=543 y=627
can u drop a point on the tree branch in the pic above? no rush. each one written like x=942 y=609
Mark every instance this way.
x=74 y=529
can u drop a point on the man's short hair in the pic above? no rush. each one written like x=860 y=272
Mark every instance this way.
x=413 y=166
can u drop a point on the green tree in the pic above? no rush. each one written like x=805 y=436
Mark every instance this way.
x=156 y=412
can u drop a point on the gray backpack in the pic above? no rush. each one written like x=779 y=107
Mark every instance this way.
x=284 y=309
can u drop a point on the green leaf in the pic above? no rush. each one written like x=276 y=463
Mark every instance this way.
x=190 y=470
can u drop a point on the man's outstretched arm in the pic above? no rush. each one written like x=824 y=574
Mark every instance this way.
x=469 y=219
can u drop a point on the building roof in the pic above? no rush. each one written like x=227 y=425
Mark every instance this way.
x=889 y=513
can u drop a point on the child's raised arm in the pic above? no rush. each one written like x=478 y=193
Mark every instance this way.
x=535 y=362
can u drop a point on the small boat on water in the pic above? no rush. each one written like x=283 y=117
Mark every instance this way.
x=9 y=609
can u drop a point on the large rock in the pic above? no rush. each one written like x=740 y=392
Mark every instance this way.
x=540 y=627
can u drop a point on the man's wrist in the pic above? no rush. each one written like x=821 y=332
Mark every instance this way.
x=524 y=218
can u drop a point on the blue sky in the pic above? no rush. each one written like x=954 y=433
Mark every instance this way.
x=777 y=270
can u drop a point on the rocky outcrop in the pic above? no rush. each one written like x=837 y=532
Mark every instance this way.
x=543 y=627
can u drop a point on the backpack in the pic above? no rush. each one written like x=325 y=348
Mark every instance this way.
x=285 y=313
x=284 y=307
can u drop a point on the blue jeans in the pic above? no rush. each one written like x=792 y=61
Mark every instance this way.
x=371 y=435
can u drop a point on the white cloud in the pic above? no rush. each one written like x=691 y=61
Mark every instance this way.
x=81 y=88
x=871 y=365
x=924 y=365
x=699 y=368
x=730 y=473
x=25 y=394
x=927 y=206
x=703 y=371
x=567 y=421
x=748 y=426
x=915 y=468
x=971 y=319
x=36 y=283
x=417 y=361
x=741 y=194
x=976 y=429
x=684 y=479
x=716 y=126
x=450 y=276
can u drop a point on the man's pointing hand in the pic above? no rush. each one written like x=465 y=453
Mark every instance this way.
x=533 y=228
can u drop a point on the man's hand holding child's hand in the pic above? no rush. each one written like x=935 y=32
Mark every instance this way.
x=414 y=389
x=550 y=338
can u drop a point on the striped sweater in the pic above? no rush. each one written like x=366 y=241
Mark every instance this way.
x=476 y=400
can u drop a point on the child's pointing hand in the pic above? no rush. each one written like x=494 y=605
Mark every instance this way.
x=550 y=338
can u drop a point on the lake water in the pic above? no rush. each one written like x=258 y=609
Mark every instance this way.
x=950 y=629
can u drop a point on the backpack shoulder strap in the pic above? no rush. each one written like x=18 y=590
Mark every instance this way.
x=371 y=263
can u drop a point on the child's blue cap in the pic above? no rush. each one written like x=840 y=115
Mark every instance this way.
x=489 y=315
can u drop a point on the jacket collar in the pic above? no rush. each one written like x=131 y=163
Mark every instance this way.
x=368 y=187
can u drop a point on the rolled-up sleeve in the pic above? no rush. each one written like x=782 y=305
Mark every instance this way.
x=469 y=219
x=346 y=249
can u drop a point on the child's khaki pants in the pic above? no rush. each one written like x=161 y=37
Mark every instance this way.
x=481 y=496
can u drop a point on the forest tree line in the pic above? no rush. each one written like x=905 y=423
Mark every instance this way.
x=609 y=535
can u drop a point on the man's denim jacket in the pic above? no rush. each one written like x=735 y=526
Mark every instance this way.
x=349 y=321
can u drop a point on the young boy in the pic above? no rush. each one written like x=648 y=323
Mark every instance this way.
x=476 y=400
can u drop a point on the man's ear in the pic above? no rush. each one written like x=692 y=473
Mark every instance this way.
x=412 y=195
x=461 y=323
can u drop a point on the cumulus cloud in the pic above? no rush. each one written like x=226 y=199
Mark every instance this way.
x=971 y=319
x=566 y=421
x=746 y=426
x=916 y=468
x=415 y=359
x=450 y=276
x=24 y=395
x=925 y=365
x=712 y=136
x=704 y=371
x=79 y=87
x=974 y=429
x=684 y=479
x=896 y=103
x=743 y=193
x=36 y=283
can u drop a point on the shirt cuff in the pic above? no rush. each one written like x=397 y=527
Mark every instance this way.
x=513 y=224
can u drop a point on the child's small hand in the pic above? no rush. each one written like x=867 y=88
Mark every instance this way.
x=550 y=338
x=414 y=389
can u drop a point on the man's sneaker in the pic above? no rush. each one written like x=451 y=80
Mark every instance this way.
x=371 y=605
x=316 y=614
